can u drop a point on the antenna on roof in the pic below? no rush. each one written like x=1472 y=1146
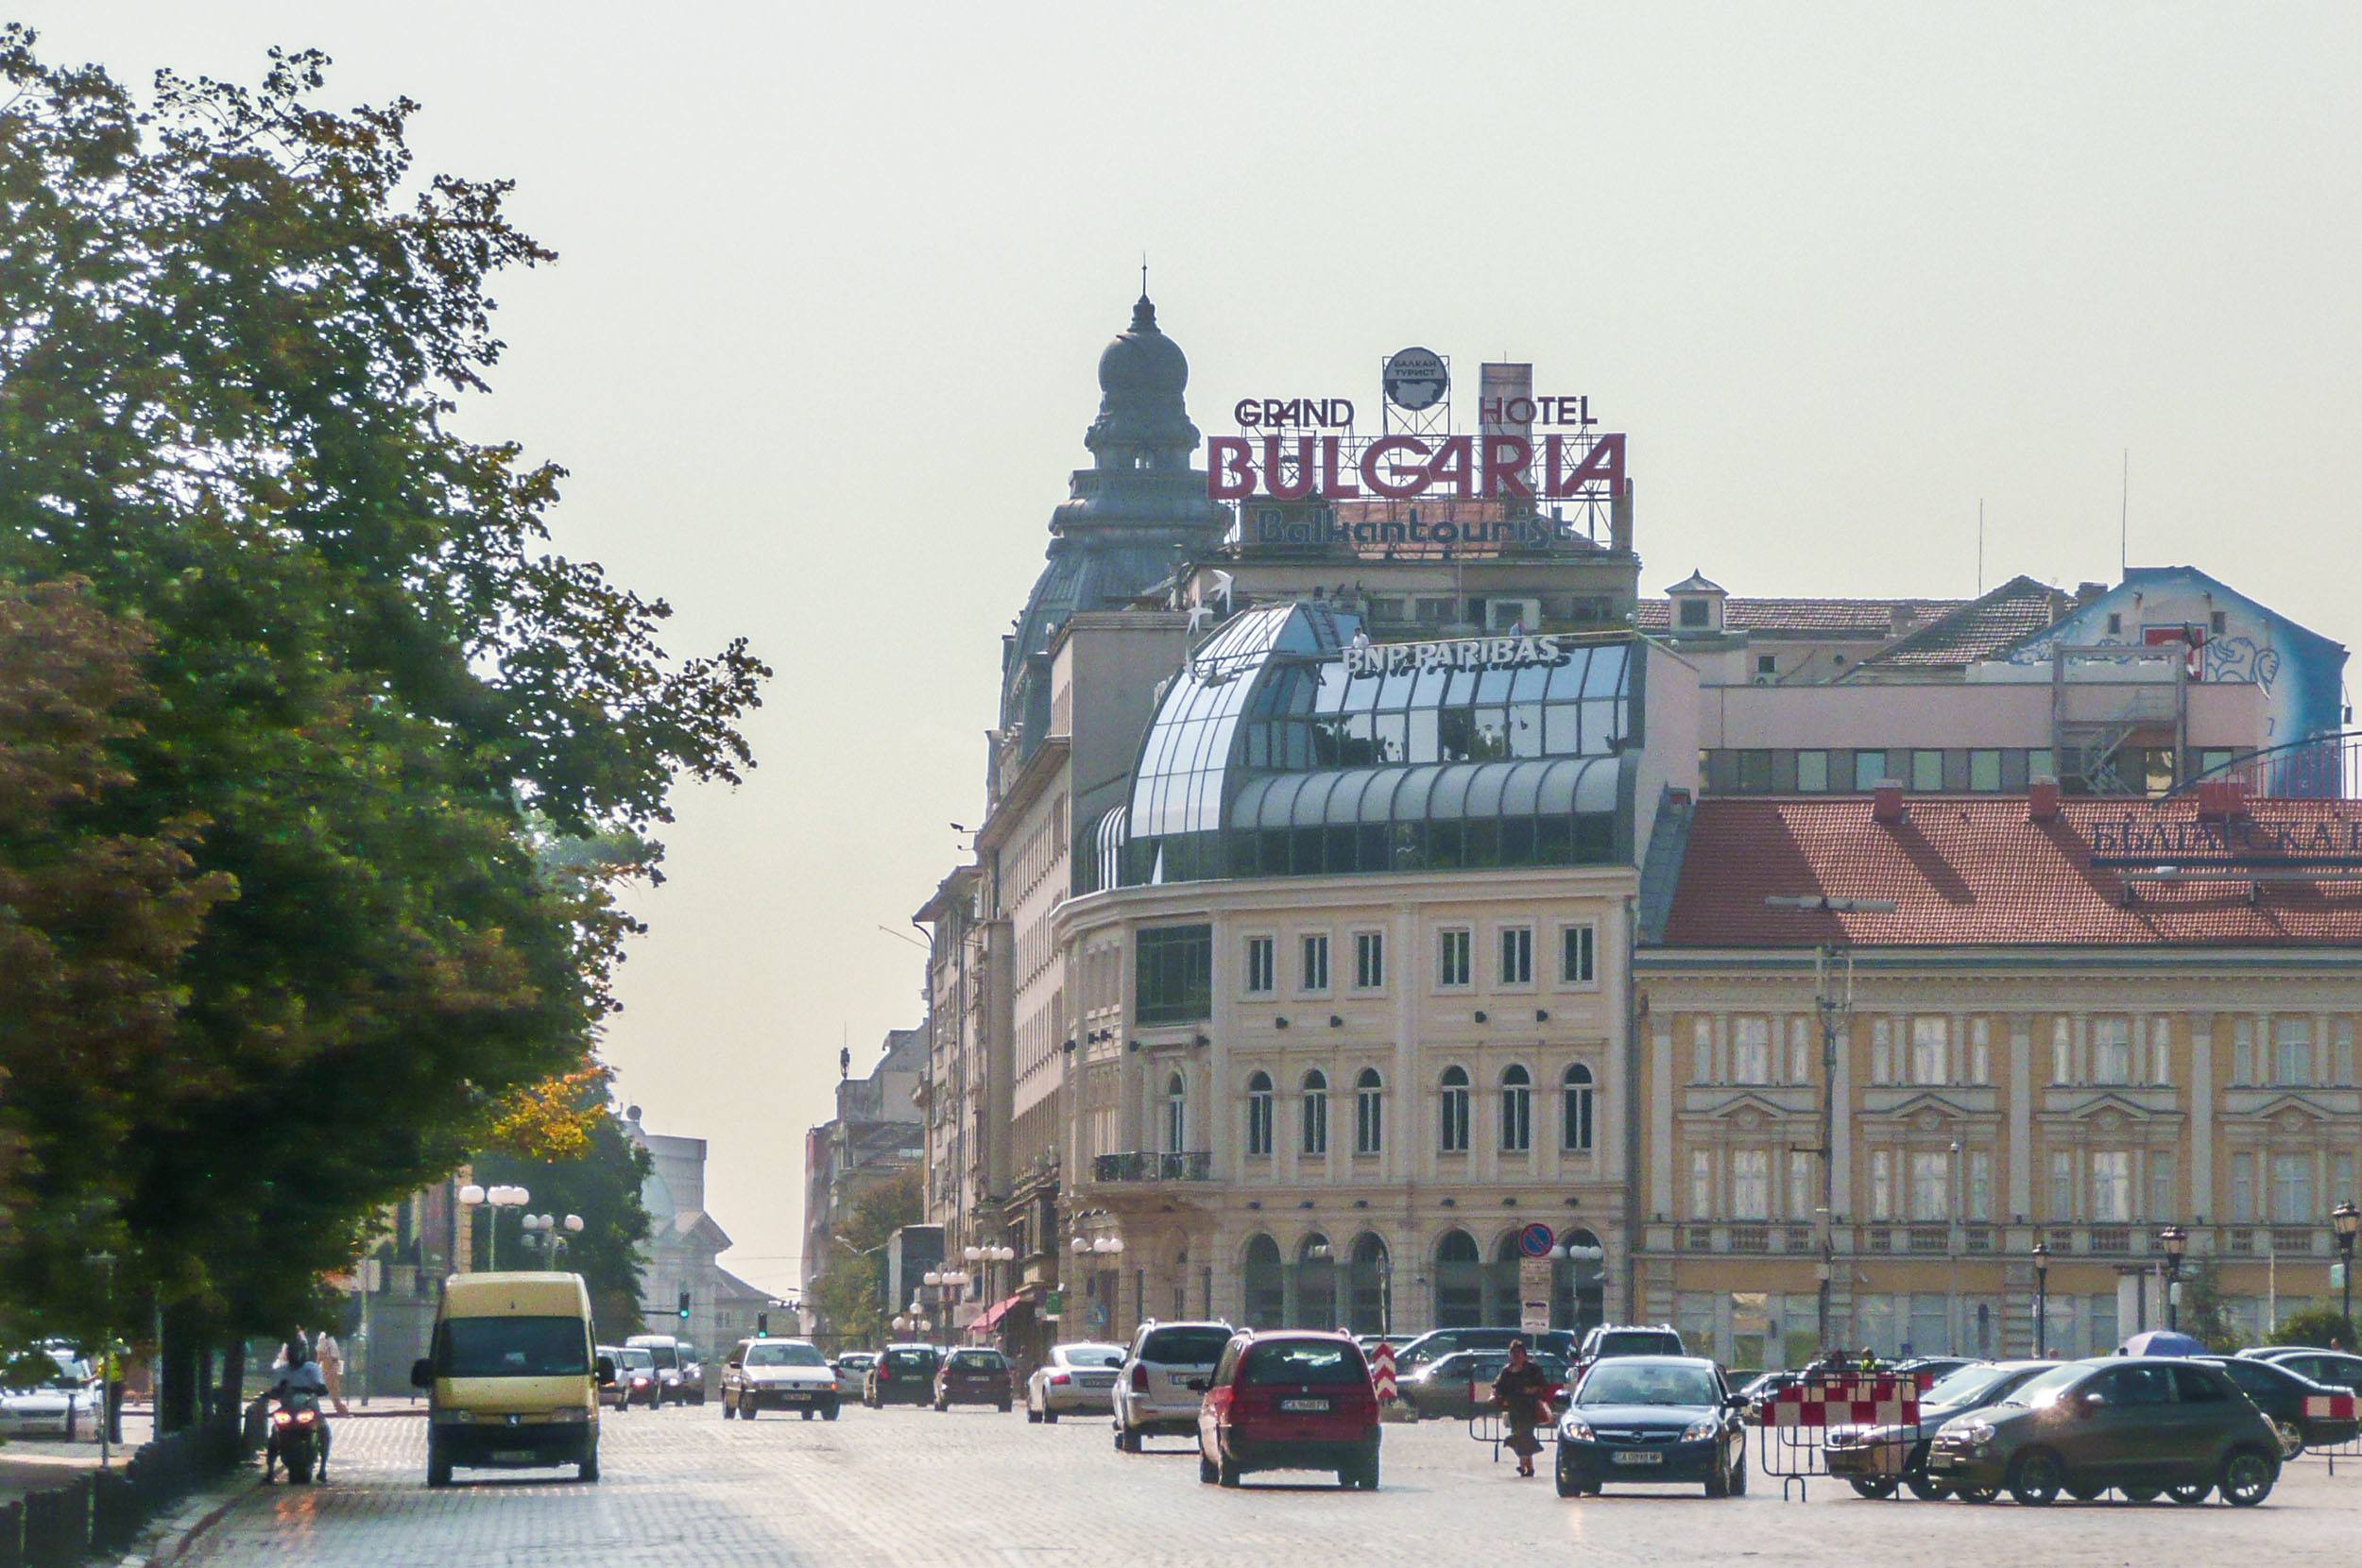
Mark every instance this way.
x=1980 y=547
x=2124 y=519
x=1143 y=274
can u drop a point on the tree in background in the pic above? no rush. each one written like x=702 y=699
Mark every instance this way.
x=2315 y=1325
x=2203 y=1315
x=851 y=1293
x=234 y=324
x=583 y=1163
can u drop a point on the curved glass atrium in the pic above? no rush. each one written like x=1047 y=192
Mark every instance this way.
x=1286 y=747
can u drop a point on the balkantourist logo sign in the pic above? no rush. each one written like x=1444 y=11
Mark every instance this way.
x=1478 y=653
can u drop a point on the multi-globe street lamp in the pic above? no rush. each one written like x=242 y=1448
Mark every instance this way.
x=2345 y=1219
x=2175 y=1240
x=494 y=1199
x=551 y=1233
x=2042 y=1300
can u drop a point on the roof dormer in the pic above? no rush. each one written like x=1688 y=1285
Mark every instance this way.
x=1697 y=606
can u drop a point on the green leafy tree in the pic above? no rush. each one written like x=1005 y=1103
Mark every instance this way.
x=601 y=1182
x=850 y=1292
x=2203 y=1315
x=2315 y=1325
x=234 y=324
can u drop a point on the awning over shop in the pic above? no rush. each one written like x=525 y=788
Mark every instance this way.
x=993 y=1314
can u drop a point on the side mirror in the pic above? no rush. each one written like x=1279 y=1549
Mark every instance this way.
x=423 y=1373
x=605 y=1367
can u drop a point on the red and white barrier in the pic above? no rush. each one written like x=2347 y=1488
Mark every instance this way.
x=1844 y=1401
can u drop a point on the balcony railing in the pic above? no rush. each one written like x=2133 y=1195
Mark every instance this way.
x=1195 y=1165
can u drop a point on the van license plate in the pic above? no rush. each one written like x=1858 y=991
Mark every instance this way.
x=1308 y=1406
x=514 y=1455
x=1642 y=1457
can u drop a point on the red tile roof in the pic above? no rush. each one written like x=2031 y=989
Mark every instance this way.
x=1849 y=618
x=1978 y=629
x=1973 y=871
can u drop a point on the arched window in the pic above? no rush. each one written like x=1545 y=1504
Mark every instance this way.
x=1516 y=1110
x=1452 y=1136
x=1502 y=1304
x=1266 y=1283
x=1315 y=1112
x=1369 y=1135
x=1578 y=1282
x=1176 y=1115
x=1574 y=1122
x=1370 y=1284
x=1459 y=1281
x=1258 y=1101
x=1316 y=1285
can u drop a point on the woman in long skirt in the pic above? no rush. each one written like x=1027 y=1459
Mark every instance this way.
x=1523 y=1394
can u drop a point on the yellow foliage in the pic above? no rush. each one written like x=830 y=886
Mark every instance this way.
x=552 y=1119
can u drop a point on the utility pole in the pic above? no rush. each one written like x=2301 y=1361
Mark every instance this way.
x=1833 y=1000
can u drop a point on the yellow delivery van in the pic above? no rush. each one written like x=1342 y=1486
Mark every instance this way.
x=514 y=1377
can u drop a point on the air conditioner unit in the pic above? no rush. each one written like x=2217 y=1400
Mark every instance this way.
x=1501 y=614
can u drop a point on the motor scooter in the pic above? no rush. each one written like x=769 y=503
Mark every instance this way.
x=298 y=1437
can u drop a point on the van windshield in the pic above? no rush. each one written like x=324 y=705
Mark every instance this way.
x=513 y=1347
x=663 y=1357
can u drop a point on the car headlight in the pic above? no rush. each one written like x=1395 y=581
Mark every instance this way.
x=1699 y=1431
x=1973 y=1433
x=1578 y=1430
x=572 y=1412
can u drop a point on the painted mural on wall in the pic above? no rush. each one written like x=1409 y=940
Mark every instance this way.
x=2301 y=672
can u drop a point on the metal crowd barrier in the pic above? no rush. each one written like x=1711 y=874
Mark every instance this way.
x=1792 y=1426
x=2333 y=1408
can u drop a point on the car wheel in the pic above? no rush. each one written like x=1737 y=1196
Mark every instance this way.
x=746 y=1410
x=1738 y=1475
x=2138 y=1494
x=1977 y=1494
x=2291 y=1439
x=1872 y=1486
x=1717 y=1480
x=1032 y=1416
x=728 y=1409
x=807 y=1415
x=2083 y=1492
x=1227 y=1473
x=1369 y=1472
x=1207 y=1471
x=2035 y=1478
x=828 y=1412
x=2191 y=1493
x=1050 y=1417
x=587 y=1468
x=437 y=1464
x=1926 y=1487
x=1563 y=1475
x=1005 y=1406
x=2246 y=1480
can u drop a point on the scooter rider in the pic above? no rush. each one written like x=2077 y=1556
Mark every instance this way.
x=300 y=1377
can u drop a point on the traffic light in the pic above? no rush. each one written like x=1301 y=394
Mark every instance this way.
x=684 y=1306
x=763 y=1325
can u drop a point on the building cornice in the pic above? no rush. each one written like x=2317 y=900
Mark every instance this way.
x=2034 y=960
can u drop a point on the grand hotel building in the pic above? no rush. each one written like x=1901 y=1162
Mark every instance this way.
x=1288 y=983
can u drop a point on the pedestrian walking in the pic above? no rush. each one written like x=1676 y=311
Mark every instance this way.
x=330 y=1355
x=1523 y=1394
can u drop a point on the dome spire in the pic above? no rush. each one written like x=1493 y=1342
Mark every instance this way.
x=1144 y=313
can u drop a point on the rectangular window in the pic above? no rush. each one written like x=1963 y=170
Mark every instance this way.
x=1812 y=773
x=2341 y=1056
x=1751 y=1050
x=1517 y=955
x=1701 y=1052
x=1882 y=1063
x=1451 y=960
x=2292 y=1051
x=1798 y=1052
x=1979 y=1184
x=1931 y=1052
x=1980 y=1050
x=2160 y=1052
x=1577 y=954
x=1701 y=1183
x=1984 y=771
x=2292 y=1190
x=2341 y=1172
x=2111 y=1051
x=1803 y=1199
x=2243 y=1051
x=1751 y=1184
x=1695 y=612
x=1368 y=1106
x=1870 y=770
x=2161 y=1200
x=1369 y=960
x=2112 y=1186
x=1754 y=771
x=1175 y=975
x=1767 y=664
x=1881 y=1184
x=2061 y=1187
x=2061 y=1052
x=2243 y=1189
x=1931 y=1182
x=1927 y=772
x=1260 y=979
x=2041 y=763
x=1316 y=964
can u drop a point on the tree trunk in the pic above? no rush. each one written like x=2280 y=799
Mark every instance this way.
x=233 y=1399
x=179 y=1371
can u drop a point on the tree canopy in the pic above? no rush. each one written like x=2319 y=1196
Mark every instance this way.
x=360 y=694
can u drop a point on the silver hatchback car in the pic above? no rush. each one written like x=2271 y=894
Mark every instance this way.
x=1163 y=1380
x=1076 y=1378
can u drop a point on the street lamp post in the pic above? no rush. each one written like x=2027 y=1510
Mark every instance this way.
x=2175 y=1240
x=2042 y=1301
x=1833 y=1005
x=494 y=1199
x=551 y=1233
x=2345 y=1219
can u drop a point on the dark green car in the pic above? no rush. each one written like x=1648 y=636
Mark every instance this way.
x=2140 y=1424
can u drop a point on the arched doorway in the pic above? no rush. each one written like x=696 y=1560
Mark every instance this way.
x=1579 y=1282
x=1315 y=1285
x=1501 y=1306
x=1459 y=1281
x=1370 y=1287
x=1266 y=1285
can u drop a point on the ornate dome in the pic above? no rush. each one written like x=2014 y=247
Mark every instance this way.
x=1142 y=358
x=1142 y=421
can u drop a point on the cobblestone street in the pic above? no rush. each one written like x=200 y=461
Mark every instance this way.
x=912 y=1487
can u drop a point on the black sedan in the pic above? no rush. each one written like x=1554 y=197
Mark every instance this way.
x=1460 y=1385
x=2300 y=1410
x=1655 y=1419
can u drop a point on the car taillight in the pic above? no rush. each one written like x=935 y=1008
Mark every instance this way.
x=1059 y=1378
x=1139 y=1378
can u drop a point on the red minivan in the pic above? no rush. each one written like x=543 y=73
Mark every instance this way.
x=1289 y=1401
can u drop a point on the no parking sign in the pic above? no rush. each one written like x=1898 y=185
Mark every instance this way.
x=1536 y=1240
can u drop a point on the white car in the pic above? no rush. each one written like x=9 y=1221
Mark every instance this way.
x=853 y=1370
x=65 y=1405
x=778 y=1374
x=1077 y=1377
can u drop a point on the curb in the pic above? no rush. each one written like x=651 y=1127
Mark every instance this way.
x=171 y=1542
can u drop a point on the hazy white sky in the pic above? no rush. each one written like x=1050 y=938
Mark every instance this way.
x=819 y=349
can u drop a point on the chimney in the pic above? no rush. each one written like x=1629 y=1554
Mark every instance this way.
x=1619 y=521
x=1900 y=619
x=2042 y=801
x=2220 y=799
x=2086 y=592
x=1886 y=802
